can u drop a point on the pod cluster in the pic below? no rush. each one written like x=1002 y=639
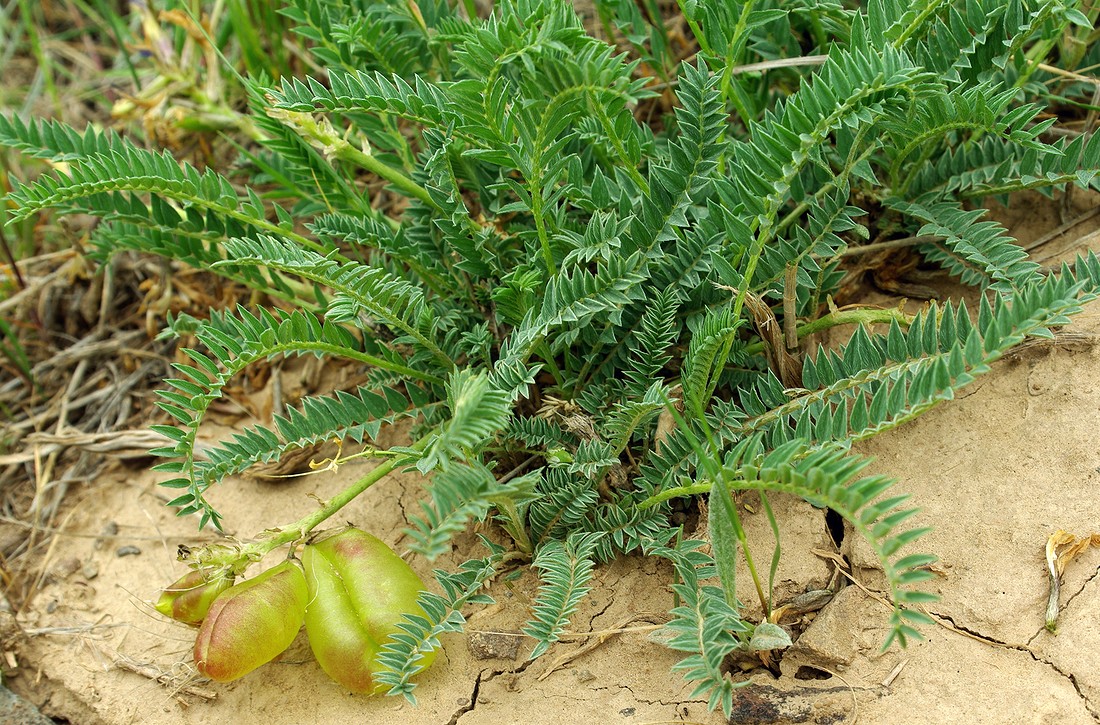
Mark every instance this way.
x=350 y=591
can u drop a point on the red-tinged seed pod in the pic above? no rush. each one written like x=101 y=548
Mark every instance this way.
x=252 y=623
x=189 y=599
x=359 y=589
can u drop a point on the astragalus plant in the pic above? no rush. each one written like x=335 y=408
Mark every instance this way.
x=591 y=274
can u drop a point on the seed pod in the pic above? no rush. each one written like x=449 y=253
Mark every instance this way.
x=359 y=589
x=251 y=623
x=189 y=599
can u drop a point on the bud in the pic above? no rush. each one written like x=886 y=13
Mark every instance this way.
x=252 y=623
x=359 y=589
x=189 y=599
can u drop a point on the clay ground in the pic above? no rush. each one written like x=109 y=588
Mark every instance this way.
x=1015 y=458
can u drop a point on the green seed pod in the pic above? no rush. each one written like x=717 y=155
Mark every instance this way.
x=359 y=589
x=251 y=623
x=189 y=599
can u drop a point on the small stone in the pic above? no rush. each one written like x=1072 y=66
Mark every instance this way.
x=128 y=550
x=66 y=568
x=109 y=531
x=494 y=645
x=89 y=570
x=584 y=675
x=627 y=712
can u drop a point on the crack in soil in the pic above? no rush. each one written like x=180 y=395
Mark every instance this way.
x=1071 y=597
x=1069 y=600
x=1093 y=710
x=1069 y=676
x=681 y=706
x=473 y=701
x=663 y=703
x=483 y=678
x=597 y=615
x=1073 y=681
x=402 y=492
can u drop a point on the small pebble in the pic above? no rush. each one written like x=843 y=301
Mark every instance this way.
x=627 y=712
x=109 y=531
x=128 y=550
x=584 y=675
x=90 y=570
x=66 y=568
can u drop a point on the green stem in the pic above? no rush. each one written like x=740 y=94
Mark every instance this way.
x=842 y=317
x=796 y=213
x=605 y=22
x=298 y=530
x=695 y=30
x=336 y=351
x=321 y=135
x=720 y=361
x=113 y=19
x=743 y=540
x=750 y=270
x=738 y=37
x=551 y=365
x=617 y=143
x=390 y=174
x=668 y=61
x=777 y=552
x=918 y=23
x=692 y=489
x=540 y=226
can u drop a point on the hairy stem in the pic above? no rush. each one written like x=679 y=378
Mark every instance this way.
x=272 y=539
x=842 y=317
x=321 y=135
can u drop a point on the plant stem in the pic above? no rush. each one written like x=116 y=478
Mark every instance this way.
x=695 y=30
x=889 y=244
x=390 y=174
x=321 y=135
x=777 y=552
x=540 y=226
x=842 y=317
x=274 y=538
x=548 y=357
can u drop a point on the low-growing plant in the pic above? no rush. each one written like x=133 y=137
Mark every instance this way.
x=598 y=273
